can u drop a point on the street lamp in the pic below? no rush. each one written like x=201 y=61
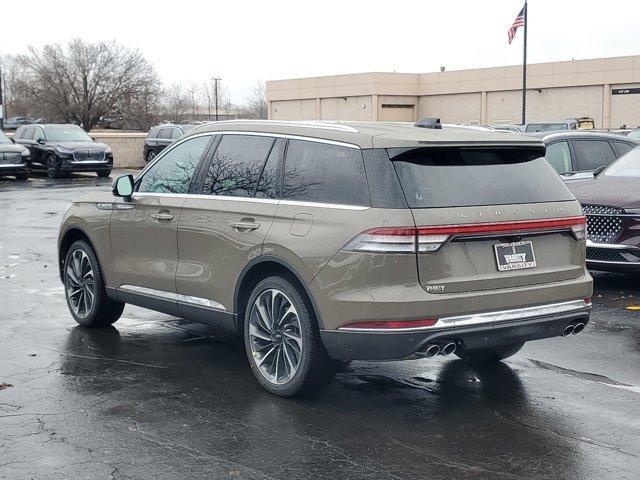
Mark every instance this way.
x=216 y=80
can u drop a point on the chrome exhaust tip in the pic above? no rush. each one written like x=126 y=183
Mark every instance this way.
x=568 y=330
x=448 y=349
x=577 y=328
x=430 y=351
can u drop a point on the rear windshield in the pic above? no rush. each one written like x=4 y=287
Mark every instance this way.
x=461 y=177
x=546 y=127
x=627 y=165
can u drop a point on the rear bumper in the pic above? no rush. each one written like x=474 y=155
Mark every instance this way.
x=470 y=332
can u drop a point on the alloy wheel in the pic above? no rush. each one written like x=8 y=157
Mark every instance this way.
x=275 y=336
x=80 y=283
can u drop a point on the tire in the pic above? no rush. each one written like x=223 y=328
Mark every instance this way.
x=278 y=372
x=151 y=154
x=80 y=265
x=22 y=176
x=53 y=169
x=489 y=355
x=103 y=173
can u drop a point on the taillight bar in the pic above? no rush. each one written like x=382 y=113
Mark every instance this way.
x=502 y=227
x=430 y=239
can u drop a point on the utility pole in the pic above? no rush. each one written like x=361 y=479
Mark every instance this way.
x=216 y=80
x=1 y=99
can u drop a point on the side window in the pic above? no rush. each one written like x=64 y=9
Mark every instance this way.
x=153 y=133
x=270 y=178
x=324 y=173
x=173 y=171
x=27 y=133
x=236 y=165
x=623 y=147
x=559 y=157
x=591 y=154
x=38 y=134
x=176 y=133
x=165 y=133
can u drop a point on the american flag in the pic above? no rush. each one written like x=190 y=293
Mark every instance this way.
x=518 y=22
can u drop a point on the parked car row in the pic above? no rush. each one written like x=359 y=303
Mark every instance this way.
x=57 y=149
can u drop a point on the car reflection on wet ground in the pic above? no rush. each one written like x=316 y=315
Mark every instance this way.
x=159 y=397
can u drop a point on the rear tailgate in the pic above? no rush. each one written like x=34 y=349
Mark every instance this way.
x=490 y=218
x=507 y=252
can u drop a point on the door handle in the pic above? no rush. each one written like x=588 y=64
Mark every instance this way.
x=162 y=216
x=245 y=225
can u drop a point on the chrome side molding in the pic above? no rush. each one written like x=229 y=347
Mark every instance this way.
x=173 y=297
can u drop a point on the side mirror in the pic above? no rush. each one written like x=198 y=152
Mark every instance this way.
x=40 y=141
x=123 y=187
x=598 y=170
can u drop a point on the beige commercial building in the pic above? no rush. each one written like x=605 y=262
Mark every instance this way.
x=607 y=89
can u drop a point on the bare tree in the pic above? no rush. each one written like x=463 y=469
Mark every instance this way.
x=257 y=101
x=175 y=104
x=86 y=81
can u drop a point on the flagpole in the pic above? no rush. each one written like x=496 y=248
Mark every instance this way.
x=524 y=67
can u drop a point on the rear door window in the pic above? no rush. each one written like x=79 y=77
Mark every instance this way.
x=27 y=133
x=165 y=133
x=455 y=177
x=559 y=157
x=176 y=133
x=325 y=173
x=236 y=165
x=623 y=147
x=591 y=154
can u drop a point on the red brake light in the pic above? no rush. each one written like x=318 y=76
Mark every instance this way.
x=430 y=239
x=500 y=227
x=391 y=325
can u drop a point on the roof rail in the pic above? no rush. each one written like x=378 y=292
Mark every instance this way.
x=429 y=123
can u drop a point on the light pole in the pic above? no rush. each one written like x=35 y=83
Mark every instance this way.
x=1 y=99
x=216 y=80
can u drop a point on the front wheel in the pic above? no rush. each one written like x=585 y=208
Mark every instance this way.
x=488 y=355
x=282 y=340
x=53 y=169
x=151 y=154
x=84 y=288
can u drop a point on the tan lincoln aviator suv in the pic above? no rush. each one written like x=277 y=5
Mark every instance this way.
x=329 y=242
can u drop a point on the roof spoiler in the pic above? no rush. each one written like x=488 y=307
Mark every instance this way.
x=429 y=123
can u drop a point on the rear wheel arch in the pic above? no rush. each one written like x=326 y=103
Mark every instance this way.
x=260 y=268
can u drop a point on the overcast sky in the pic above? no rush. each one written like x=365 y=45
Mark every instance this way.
x=244 y=41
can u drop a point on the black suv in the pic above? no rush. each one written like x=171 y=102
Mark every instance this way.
x=161 y=137
x=13 y=158
x=62 y=149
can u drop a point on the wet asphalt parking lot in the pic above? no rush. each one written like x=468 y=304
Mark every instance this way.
x=159 y=397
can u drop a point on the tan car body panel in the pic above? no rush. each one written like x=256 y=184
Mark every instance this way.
x=144 y=249
x=212 y=252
